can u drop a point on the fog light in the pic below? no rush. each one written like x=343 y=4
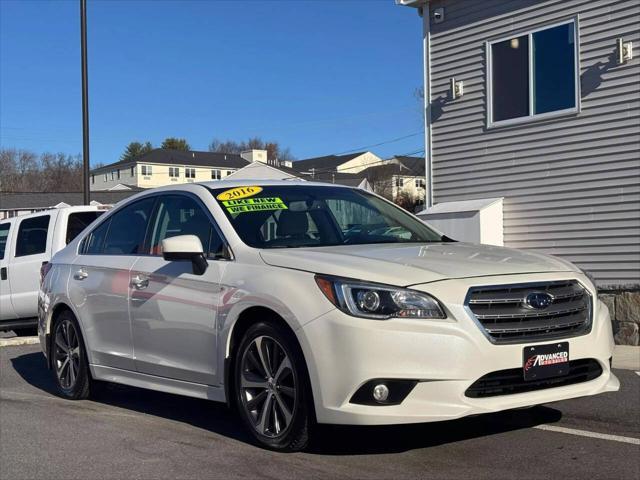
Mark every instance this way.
x=380 y=393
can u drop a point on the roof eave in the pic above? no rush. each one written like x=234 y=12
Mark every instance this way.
x=412 y=3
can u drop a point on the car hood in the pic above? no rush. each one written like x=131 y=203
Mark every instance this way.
x=403 y=265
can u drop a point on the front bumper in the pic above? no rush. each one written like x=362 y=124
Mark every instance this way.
x=445 y=356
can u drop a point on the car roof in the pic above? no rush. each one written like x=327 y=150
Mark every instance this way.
x=219 y=184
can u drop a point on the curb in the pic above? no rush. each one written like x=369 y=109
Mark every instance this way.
x=17 y=341
x=626 y=357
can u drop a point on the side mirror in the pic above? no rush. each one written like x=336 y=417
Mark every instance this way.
x=185 y=248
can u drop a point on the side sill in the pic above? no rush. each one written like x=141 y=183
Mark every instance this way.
x=161 y=384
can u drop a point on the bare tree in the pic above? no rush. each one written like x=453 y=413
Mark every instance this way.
x=24 y=171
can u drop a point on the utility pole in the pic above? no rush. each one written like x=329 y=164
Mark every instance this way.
x=85 y=102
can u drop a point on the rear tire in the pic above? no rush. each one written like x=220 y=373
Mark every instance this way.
x=272 y=391
x=69 y=358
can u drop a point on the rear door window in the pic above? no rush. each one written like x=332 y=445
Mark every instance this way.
x=32 y=236
x=128 y=228
x=78 y=222
x=4 y=235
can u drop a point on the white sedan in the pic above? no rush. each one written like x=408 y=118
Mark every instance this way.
x=261 y=295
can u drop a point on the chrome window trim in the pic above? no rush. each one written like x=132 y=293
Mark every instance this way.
x=198 y=200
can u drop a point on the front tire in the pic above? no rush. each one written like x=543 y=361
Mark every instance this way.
x=69 y=358
x=271 y=388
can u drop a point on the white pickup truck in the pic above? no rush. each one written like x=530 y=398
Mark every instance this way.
x=27 y=243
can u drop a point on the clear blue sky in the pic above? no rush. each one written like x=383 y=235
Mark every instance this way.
x=320 y=77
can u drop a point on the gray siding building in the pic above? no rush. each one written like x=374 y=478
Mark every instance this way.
x=531 y=101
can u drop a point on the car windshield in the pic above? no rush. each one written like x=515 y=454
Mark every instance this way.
x=290 y=216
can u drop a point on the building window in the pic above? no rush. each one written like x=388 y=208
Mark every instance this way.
x=216 y=174
x=133 y=171
x=113 y=175
x=420 y=183
x=105 y=177
x=533 y=74
x=118 y=174
x=146 y=170
x=399 y=182
x=174 y=172
x=190 y=173
x=93 y=179
x=229 y=172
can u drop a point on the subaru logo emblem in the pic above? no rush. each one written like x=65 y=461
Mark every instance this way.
x=538 y=300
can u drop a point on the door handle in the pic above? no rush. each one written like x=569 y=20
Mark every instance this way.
x=139 y=281
x=3 y=273
x=80 y=274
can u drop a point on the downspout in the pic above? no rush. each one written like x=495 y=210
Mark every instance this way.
x=428 y=151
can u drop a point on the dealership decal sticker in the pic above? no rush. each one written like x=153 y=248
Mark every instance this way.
x=254 y=204
x=541 y=360
x=239 y=192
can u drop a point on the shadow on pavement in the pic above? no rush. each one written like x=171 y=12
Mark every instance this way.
x=328 y=439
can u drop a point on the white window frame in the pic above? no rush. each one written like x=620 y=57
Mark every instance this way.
x=189 y=172
x=532 y=117
x=216 y=174
x=133 y=171
x=174 y=172
x=106 y=179
x=146 y=170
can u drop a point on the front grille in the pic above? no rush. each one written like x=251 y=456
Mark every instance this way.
x=507 y=382
x=505 y=317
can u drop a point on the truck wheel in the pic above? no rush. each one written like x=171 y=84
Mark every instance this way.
x=26 y=332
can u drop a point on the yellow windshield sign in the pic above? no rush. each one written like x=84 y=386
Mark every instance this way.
x=254 y=205
x=239 y=192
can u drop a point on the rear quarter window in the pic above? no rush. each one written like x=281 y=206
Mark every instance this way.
x=78 y=222
x=32 y=236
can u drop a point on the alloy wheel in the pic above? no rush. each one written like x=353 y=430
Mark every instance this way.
x=67 y=354
x=268 y=386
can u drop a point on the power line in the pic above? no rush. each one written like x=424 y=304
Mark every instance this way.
x=381 y=143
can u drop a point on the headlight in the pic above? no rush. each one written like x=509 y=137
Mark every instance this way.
x=379 y=302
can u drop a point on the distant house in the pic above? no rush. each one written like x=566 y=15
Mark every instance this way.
x=165 y=167
x=262 y=171
x=351 y=163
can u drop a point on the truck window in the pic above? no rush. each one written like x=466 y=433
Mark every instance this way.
x=4 y=234
x=32 y=236
x=78 y=222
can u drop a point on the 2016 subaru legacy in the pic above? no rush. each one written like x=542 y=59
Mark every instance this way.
x=298 y=302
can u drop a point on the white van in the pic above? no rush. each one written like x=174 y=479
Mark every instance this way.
x=27 y=243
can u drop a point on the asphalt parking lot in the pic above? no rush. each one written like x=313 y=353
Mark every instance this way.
x=132 y=433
